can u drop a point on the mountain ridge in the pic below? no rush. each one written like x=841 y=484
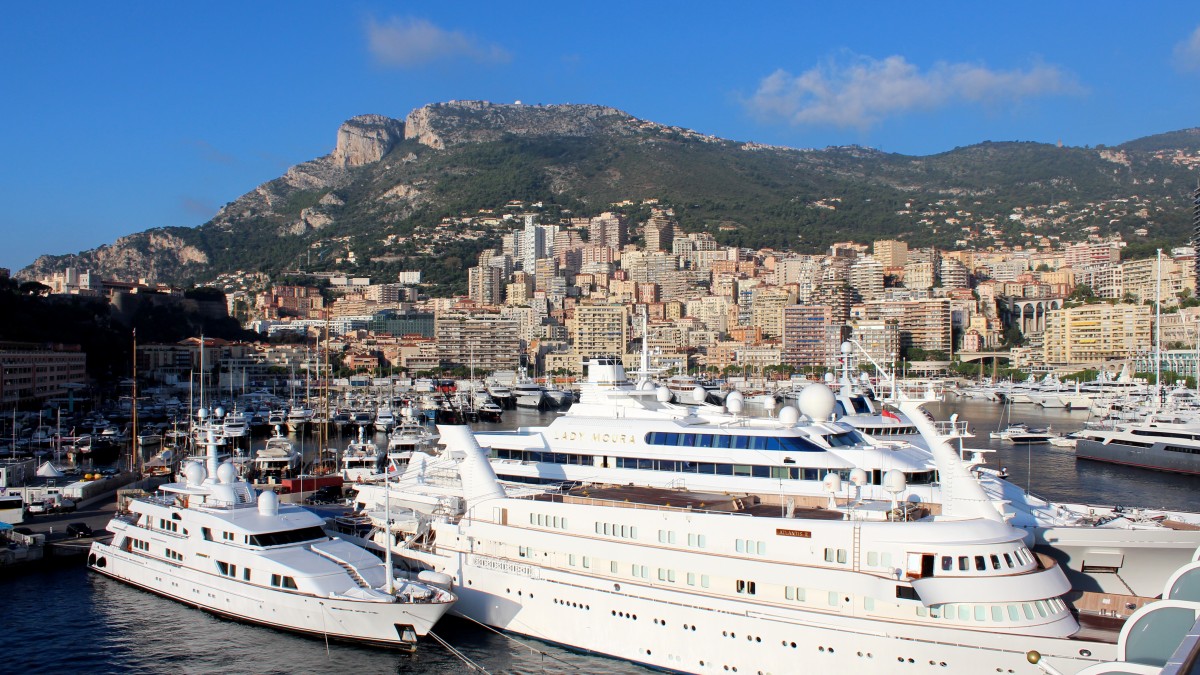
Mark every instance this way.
x=388 y=184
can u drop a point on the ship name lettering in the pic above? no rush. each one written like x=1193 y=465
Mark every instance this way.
x=804 y=534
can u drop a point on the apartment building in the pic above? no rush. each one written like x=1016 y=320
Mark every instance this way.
x=1092 y=334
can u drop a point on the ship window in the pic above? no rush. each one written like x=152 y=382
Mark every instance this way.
x=722 y=441
x=246 y=573
x=1028 y=609
x=1008 y=560
x=741 y=546
x=980 y=564
x=997 y=613
x=691 y=579
x=612 y=567
x=872 y=558
x=995 y=561
x=289 y=582
x=980 y=613
x=964 y=563
x=833 y=598
x=947 y=563
x=885 y=559
x=703 y=581
x=921 y=611
x=287 y=536
x=724 y=469
x=741 y=469
x=761 y=471
x=964 y=612
x=841 y=556
x=948 y=612
x=828 y=555
x=869 y=603
x=1014 y=614
x=687 y=440
x=1041 y=607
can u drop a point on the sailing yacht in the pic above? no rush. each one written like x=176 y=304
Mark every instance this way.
x=212 y=542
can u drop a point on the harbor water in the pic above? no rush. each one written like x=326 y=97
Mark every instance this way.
x=68 y=620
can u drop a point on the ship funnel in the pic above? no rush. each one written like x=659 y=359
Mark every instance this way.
x=478 y=478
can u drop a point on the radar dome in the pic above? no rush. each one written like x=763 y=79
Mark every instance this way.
x=226 y=473
x=789 y=415
x=768 y=401
x=828 y=377
x=194 y=473
x=699 y=394
x=662 y=394
x=219 y=412
x=858 y=476
x=816 y=401
x=894 y=482
x=223 y=493
x=268 y=503
x=847 y=348
x=202 y=413
x=735 y=403
x=832 y=483
x=645 y=384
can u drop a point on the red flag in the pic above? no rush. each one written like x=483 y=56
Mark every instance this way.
x=891 y=415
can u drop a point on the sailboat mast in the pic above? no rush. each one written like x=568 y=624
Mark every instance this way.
x=136 y=459
x=1158 y=330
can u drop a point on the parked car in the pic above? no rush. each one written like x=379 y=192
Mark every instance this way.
x=325 y=495
x=79 y=530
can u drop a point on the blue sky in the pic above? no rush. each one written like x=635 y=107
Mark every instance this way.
x=119 y=117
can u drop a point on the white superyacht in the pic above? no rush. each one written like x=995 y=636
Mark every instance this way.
x=624 y=433
x=213 y=543
x=711 y=583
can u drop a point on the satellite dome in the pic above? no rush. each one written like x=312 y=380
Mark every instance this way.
x=735 y=403
x=832 y=482
x=645 y=384
x=829 y=377
x=194 y=473
x=858 y=477
x=894 y=482
x=226 y=474
x=202 y=413
x=768 y=401
x=219 y=412
x=268 y=503
x=662 y=394
x=816 y=402
x=847 y=348
x=789 y=415
x=223 y=493
x=699 y=394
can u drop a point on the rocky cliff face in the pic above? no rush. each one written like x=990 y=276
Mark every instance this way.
x=442 y=125
x=366 y=139
x=152 y=255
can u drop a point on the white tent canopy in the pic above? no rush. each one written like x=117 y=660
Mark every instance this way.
x=48 y=470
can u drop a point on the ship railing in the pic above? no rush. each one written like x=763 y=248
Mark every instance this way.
x=953 y=428
x=595 y=501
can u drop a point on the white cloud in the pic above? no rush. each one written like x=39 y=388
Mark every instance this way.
x=1187 y=53
x=403 y=42
x=864 y=91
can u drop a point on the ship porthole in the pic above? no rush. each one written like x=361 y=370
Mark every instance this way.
x=1085 y=652
x=101 y=563
x=91 y=559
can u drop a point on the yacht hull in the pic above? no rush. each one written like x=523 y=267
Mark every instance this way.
x=380 y=624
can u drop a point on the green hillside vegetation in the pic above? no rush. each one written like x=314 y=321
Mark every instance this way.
x=799 y=200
